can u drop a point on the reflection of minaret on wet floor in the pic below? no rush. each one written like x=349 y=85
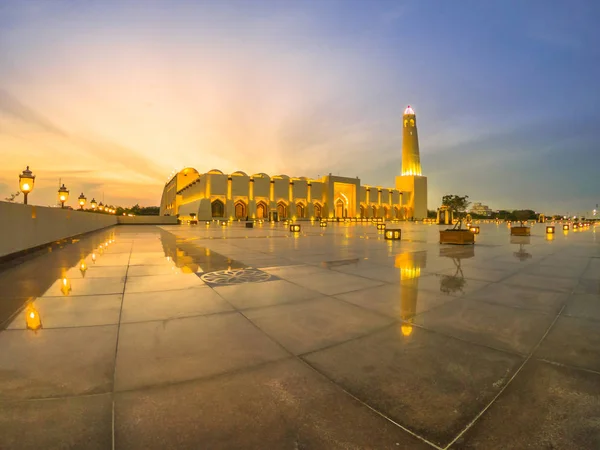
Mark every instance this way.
x=410 y=265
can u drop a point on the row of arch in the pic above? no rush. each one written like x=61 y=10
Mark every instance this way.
x=262 y=210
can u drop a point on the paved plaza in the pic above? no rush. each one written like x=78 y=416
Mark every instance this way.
x=211 y=337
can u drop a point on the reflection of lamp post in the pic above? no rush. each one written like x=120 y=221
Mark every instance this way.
x=82 y=200
x=26 y=180
x=63 y=195
x=93 y=204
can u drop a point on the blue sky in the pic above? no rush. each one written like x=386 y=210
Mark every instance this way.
x=112 y=96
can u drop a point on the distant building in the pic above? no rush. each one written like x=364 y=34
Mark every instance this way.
x=214 y=194
x=481 y=209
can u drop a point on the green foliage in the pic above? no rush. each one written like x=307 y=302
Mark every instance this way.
x=523 y=215
x=431 y=214
x=458 y=204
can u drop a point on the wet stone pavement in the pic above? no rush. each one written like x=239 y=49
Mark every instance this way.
x=209 y=337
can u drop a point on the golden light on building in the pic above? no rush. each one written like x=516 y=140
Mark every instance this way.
x=26 y=182
x=411 y=159
x=33 y=321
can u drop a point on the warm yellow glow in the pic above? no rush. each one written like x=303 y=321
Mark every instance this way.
x=25 y=187
x=65 y=287
x=33 y=320
x=63 y=198
x=409 y=273
x=406 y=330
x=550 y=230
x=94 y=257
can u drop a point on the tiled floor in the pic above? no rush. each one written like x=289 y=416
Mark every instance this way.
x=208 y=337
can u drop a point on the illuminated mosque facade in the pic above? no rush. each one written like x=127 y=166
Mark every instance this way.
x=216 y=195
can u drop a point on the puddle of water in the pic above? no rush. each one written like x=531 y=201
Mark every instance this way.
x=192 y=258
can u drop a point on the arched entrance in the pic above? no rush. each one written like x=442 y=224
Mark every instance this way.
x=240 y=210
x=362 y=212
x=281 y=210
x=340 y=208
x=299 y=210
x=385 y=212
x=396 y=212
x=261 y=210
x=217 y=208
x=318 y=210
x=374 y=211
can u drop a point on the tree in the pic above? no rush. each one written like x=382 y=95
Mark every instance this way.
x=522 y=215
x=459 y=205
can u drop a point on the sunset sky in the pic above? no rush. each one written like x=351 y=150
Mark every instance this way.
x=112 y=96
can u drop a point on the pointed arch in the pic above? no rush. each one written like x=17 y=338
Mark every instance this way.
x=374 y=211
x=241 y=210
x=281 y=210
x=217 y=208
x=396 y=212
x=362 y=212
x=299 y=210
x=318 y=210
x=261 y=210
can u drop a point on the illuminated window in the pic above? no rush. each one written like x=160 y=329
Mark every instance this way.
x=412 y=122
x=405 y=123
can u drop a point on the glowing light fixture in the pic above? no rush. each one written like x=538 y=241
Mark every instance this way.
x=101 y=206
x=93 y=204
x=474 y=230
x=33 y=320
x=63 y=195
x=392 y=235
x=26 y=181
x=82 y=268
x=65 y=286
x=566 y=227
x=381 y=227
x=549 y=230
x=82 y=201
x=323 y=224
x=295 y=228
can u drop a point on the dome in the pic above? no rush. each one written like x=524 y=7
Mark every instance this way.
x=409 y=110
x=239 y=173
x=215 y=172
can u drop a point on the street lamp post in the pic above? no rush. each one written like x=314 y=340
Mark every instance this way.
x=93 y=204
x=63 y=195
x=101 y=206
x=82 y=201
x=26 y=180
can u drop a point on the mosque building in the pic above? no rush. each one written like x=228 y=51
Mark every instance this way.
x=215 y=195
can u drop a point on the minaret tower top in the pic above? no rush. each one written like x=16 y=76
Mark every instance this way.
x=411 y=160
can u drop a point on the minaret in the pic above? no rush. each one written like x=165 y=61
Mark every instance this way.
x=411 y=183
x=411 y=161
